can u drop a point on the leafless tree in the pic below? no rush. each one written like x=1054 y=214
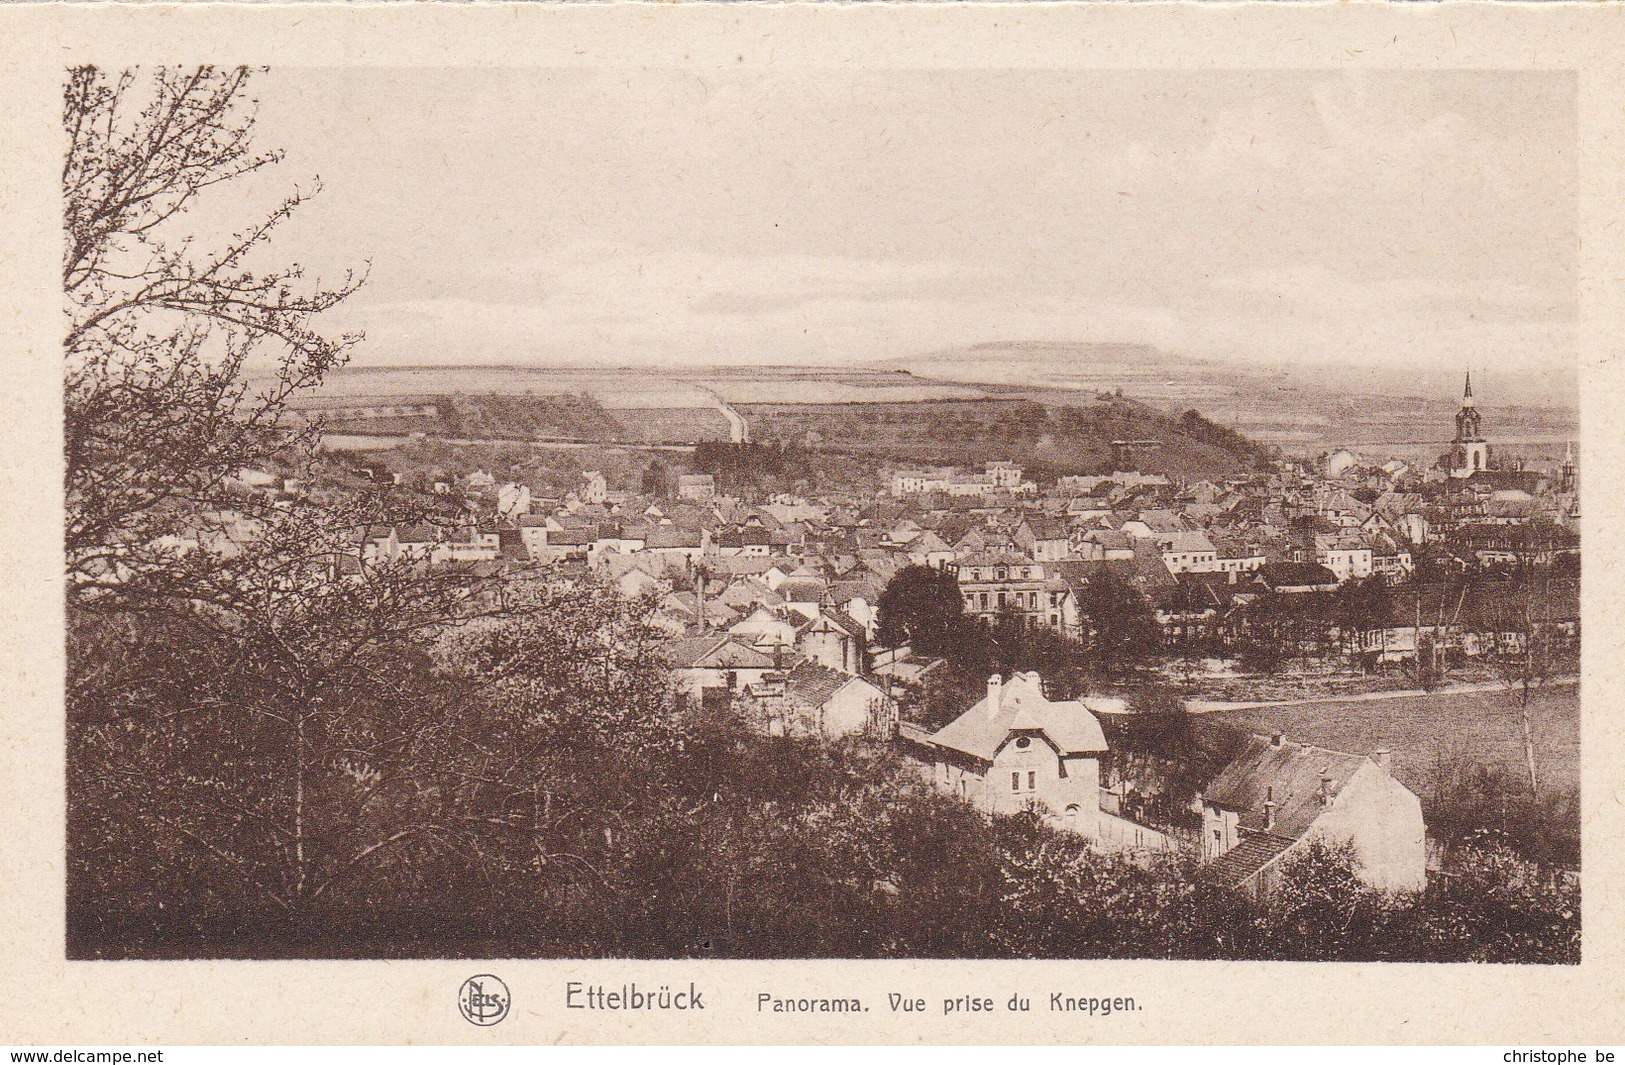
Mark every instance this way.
x=1530 y=652
x=162 y=322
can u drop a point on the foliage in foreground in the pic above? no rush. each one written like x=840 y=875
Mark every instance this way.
x=523 y=784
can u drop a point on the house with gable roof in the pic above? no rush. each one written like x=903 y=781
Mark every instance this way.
x=814 y=700
x=702 y=663
x=1276 y=797
x=1016 y=748
x=835 y=639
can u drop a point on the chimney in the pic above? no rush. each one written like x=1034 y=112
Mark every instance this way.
x=1325 y=788
x=1384 y=759
x=995 y=694
x=1275 y=739
x=1269 y=815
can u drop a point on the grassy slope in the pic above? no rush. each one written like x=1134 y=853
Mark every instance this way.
x=1425 y=731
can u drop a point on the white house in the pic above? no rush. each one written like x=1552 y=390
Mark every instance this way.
x=594 y=489
x=1188 y=552
x=513 y=500
x=1276 y=797
x=696 y=487
x=702 y=663
x=1016 y=749
x=814 y=700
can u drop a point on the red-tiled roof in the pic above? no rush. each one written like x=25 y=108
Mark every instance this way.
x=813 y=684
x=1243 y=861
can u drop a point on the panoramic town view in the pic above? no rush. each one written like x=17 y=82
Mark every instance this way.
x=391 y=635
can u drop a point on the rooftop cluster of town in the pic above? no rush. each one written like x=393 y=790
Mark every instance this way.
x=774 y=602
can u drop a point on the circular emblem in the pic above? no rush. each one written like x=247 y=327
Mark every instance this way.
x=483 y=1000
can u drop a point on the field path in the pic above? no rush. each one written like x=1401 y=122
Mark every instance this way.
x=1206 y=706
x=738 y=428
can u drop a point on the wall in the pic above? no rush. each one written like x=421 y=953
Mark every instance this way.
x=1219 y=831
x=694 y=681
x=1383 y=822
x=1079 y=787
x=1132 y=836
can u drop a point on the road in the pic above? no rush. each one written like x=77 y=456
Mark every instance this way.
x=382 y=441
x=1205 y=706
x=738 y=428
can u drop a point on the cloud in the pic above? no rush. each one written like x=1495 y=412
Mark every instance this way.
x=795 y=215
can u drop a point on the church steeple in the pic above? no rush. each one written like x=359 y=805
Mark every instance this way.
x=1470 y=453
x=1468 y=419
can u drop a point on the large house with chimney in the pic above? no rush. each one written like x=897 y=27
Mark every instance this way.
x=1277 y=797
x=1016 y=749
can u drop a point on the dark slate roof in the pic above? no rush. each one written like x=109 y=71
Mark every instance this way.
x=672 y=536
x=846 y=591
x=512 y=545
x=996 y=558
x=418 y=534
x=715 y=652
x=1527 y=480
x=1046 y=528
x=1294 y=574
x=803 y=589
x=572 y=537
x=844 y=621
x=1288 y=773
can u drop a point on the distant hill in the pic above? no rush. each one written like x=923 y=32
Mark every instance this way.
x=1303 y=407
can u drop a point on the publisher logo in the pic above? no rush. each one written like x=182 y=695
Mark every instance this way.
x=483 y=1000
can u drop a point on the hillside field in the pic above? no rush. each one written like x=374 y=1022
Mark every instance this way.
x=1426 y=733
x=1060 y=439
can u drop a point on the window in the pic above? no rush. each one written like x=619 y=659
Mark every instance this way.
x=1032 y=780
x=1023 y=743
x=1015 y=781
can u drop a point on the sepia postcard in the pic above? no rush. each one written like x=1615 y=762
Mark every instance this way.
x=812 y=524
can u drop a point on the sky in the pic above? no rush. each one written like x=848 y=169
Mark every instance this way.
x=544 y=217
